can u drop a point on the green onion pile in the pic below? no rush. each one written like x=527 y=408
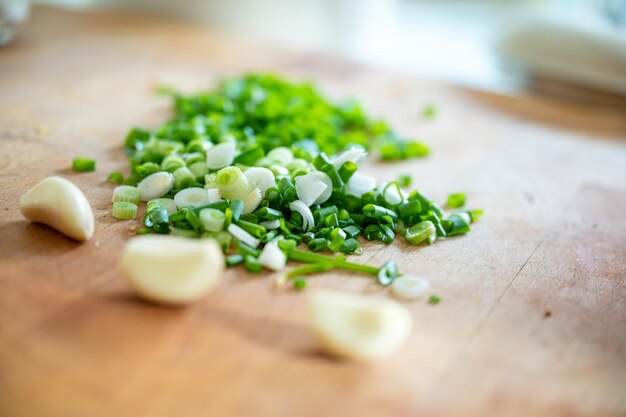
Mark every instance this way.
x=266 y=167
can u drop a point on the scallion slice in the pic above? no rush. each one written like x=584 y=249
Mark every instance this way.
x=214 y=195
x=221 y=155
x=183 y=178
x=172 y=162
x=155 y=185
x=360 y=184
x=314 y=188
x=421 y=232
x=393 y=194
x=232 y=183
x=261 y=178
x=252 y=201
x=116 y=177
x=456 y=200
x=168 y=203
x=271 y=224
x=191 y=197
x=281 y=156
x=126 y=193
x=272 y=257
x=124 y=210
x=80 y=164
x=242 y=235
x=307 y=216
x=212 y=219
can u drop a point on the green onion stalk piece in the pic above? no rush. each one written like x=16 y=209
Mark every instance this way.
x=80 y=164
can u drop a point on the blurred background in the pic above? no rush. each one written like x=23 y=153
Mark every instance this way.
x=575 y=48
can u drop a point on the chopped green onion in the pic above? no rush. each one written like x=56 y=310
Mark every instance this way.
x=222 y=238
x=298 y=165
x=271 y=224
x=456 y=200
x=392 y=194
x=301 y=180
x=172 y=162
x=221 y=155
x=212 y=219
x=242 y=235
x=126 y=193
x=352 y=231
x=360 y=184
x=157 y=220
x=404 y=180
x=350 y=246
x=336 y=239
x=247 y=250
x=199 y=169
x=434 y=299
x=232 y=183
x=302 y=270
x=116 y=177
x=460 y=225
x=155 y=185
x=255 y=230
x=318 y=244
x=237 y=207
x=261 y=178
x=429 y=111
x=272 y=257
x=191 y=197
x=124 y=210
x=299 y=283
x=233 y=260
x=80 y=164
x=300 y=207
x=183 y=178
x=421 y=232
x=286 y=190
x=250 y=156
x=408 y=209
x=376 y=212
x=252 y=201
x=281 y=156
x=252 y=264
x=168 y=203
x=267 y=213
x=314 y=188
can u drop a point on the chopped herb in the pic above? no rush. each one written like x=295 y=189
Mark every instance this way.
x=456 y=200
x=116 y=177
x=434 y=299
x=404 y=180
x=299 y=283
x=80 y=164
x=263 y=161
x=429 y=111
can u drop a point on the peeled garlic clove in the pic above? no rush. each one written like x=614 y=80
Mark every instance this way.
x=60 y=204
x=172 y=270
x=358 y=327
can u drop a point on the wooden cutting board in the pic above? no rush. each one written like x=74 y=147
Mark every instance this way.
x=533 y=317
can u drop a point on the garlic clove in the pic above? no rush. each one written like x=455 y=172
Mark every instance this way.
x=172 y=270
x=60 y=204
x=358 y=327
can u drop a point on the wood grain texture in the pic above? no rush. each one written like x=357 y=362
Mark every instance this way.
x=533 y=317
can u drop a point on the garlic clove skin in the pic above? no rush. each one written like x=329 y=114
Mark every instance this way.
x=60 y=204
x=172 y=270
x=358 y=327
